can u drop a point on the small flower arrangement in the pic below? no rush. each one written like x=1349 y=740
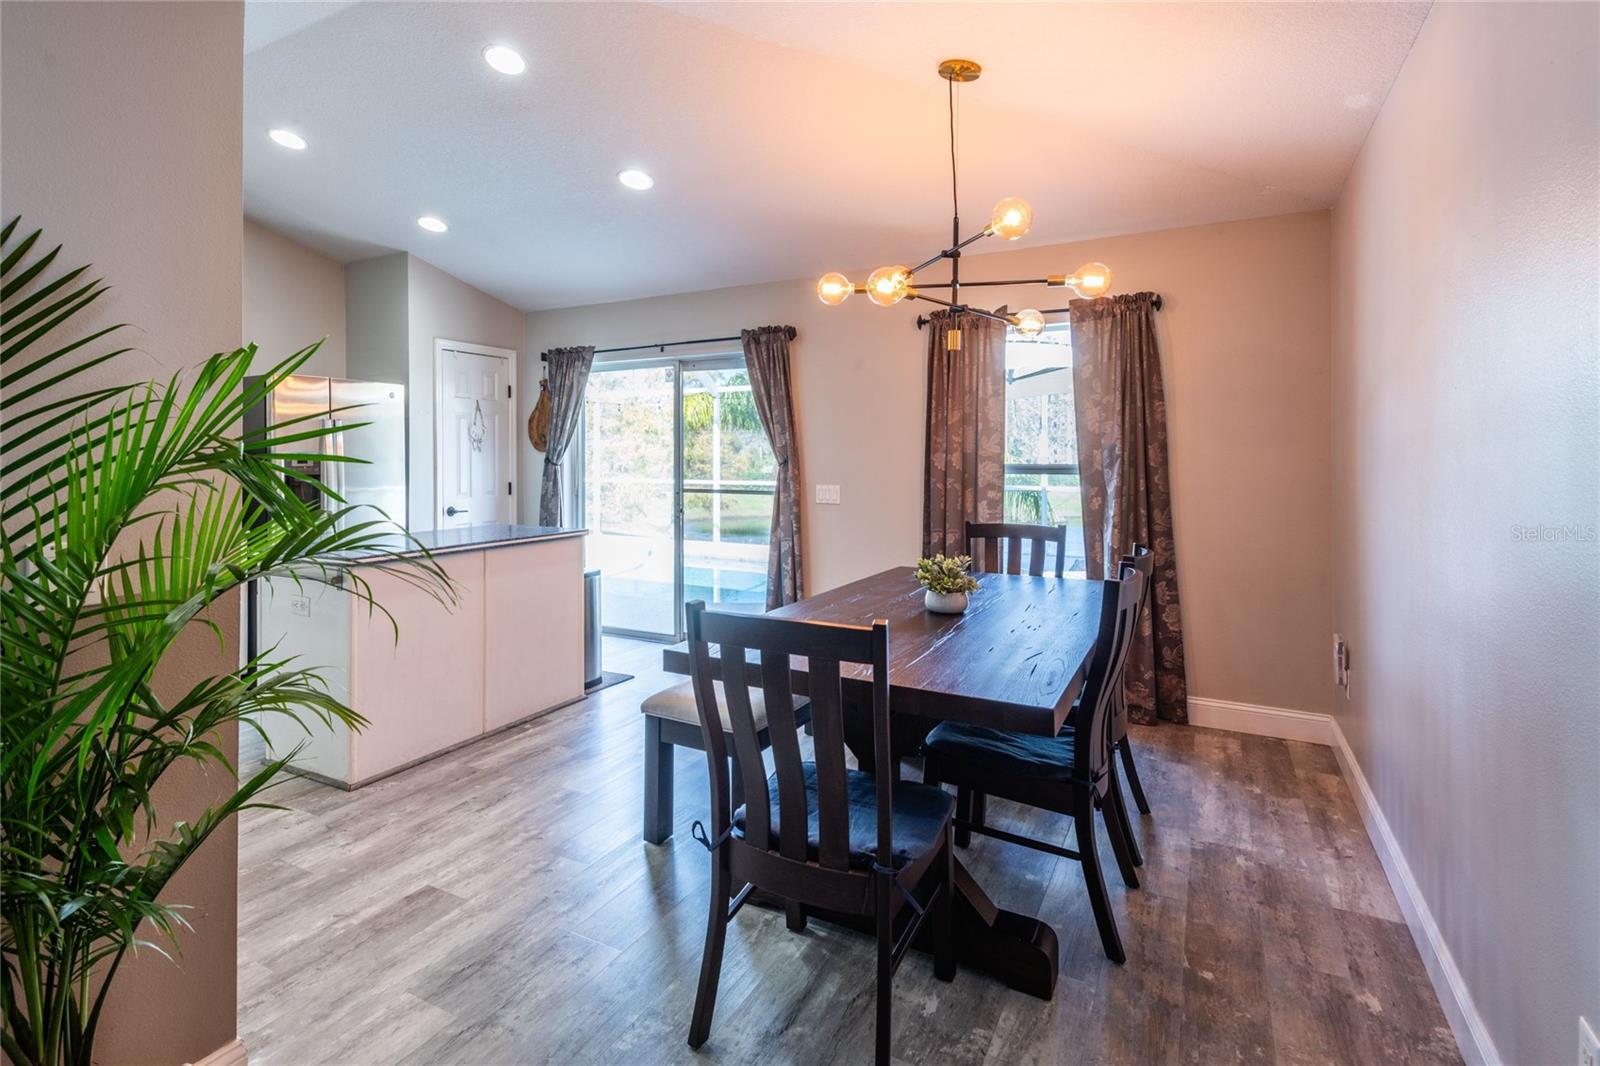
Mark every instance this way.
x=946 y=575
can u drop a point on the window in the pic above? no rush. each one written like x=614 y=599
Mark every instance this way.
x=1042 y=436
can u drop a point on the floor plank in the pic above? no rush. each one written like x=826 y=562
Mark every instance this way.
x=497 y=906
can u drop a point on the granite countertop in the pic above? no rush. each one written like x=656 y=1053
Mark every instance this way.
x=473 y=538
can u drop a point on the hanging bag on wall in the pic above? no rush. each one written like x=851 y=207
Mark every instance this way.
x=539 y=421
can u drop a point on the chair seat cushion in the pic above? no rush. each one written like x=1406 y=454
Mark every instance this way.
x=677 y=703
x=995 y=751
x=920 y=814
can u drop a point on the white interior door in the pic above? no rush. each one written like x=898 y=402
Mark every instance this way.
x=475 y=482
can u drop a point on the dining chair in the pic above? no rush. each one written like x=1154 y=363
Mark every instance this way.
x=1068 y=773
x=1141 y=559
x=814 y=832
x=996 y=547
x=671 y=720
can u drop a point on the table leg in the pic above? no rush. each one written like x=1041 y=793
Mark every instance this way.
x=1018 y=949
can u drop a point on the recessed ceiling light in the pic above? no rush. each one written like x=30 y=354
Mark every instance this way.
x=431 y=224
x=505 y=60
x=635 y=179
x=289 y=139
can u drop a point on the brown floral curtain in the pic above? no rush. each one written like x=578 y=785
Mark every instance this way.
x=1127 y=495
x=964 y=467
x=567 y=376
x=766 y=357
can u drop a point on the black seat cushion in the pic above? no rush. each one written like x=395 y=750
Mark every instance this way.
x=995 y=751
x=920 y=814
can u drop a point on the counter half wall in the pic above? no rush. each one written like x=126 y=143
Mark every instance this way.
x=509 y=649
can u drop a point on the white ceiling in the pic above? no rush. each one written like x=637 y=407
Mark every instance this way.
x=789 y=139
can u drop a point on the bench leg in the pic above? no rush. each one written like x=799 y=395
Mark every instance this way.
x=657 y=783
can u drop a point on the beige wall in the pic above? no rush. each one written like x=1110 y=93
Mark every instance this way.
x=122 y=139
x=1465 y=396
x=1244 y=338
x=443 y=307
x=292 y=297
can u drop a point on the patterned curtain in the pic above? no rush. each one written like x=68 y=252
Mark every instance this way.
x=1127 y=496
x=567 y=376
x=766 y=356
x=964 y=462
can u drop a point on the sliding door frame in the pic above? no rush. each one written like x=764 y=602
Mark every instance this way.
x=680 y=365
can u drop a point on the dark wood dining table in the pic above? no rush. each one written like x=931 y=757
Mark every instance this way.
x=1014 y=660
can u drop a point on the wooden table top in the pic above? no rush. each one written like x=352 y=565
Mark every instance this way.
x=1015 y=660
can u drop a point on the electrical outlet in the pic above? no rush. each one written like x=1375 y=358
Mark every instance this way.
x=1588 y=1044
x=827 y=493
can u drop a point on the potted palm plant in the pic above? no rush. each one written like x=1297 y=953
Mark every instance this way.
x=127 y=512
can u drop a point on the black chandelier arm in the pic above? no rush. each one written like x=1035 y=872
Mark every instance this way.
x=976 y=284
x=950 y=253
x=961 y=309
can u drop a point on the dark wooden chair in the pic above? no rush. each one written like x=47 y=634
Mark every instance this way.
x=671 y=720
x=996 y=547
x=816 y=834
x=1143 y=561
x=1069 y=773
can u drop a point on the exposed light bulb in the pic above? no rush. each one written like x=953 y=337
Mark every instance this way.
x=833 y=289
x=1011 y=218
x=1091 y=280
x=888 y=285
x=1028 y=322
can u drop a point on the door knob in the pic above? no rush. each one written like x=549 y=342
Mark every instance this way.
x=451 y=512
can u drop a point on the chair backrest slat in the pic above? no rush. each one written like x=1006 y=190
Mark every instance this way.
x=827 y=727
x=825 y=646
x=985 y=540
x=1141 y=560
x=1092 y=723
x=785 y=751
x=746 y=744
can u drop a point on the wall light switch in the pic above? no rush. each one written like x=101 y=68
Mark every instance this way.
x=827 y=493
x=300 y=605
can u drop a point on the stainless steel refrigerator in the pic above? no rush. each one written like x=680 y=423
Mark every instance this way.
x=371 y=419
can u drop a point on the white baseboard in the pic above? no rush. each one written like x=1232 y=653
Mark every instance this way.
x=229 y=1054
x=1262 y=721
x=1472 y=1036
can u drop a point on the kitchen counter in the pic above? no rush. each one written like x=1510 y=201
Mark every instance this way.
x=471 y=538
x=441 y=675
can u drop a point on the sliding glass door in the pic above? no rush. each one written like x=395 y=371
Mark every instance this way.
x=677 y=491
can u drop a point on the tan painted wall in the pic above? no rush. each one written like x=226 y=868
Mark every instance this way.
x=122 y=139
x=443 y=307
x=292 y=297
x=1244 y=338
x=1465 y=410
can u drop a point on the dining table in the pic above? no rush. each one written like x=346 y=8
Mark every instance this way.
x=1015 y=659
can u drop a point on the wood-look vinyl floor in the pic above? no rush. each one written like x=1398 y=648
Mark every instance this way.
x=497 y=906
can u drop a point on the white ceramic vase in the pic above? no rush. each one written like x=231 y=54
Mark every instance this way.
x=945 y=602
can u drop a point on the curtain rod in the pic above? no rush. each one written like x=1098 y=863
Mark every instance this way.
x=664 y=345
x=1155 y=305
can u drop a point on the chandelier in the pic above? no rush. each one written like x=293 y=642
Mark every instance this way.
x=1010 y=219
